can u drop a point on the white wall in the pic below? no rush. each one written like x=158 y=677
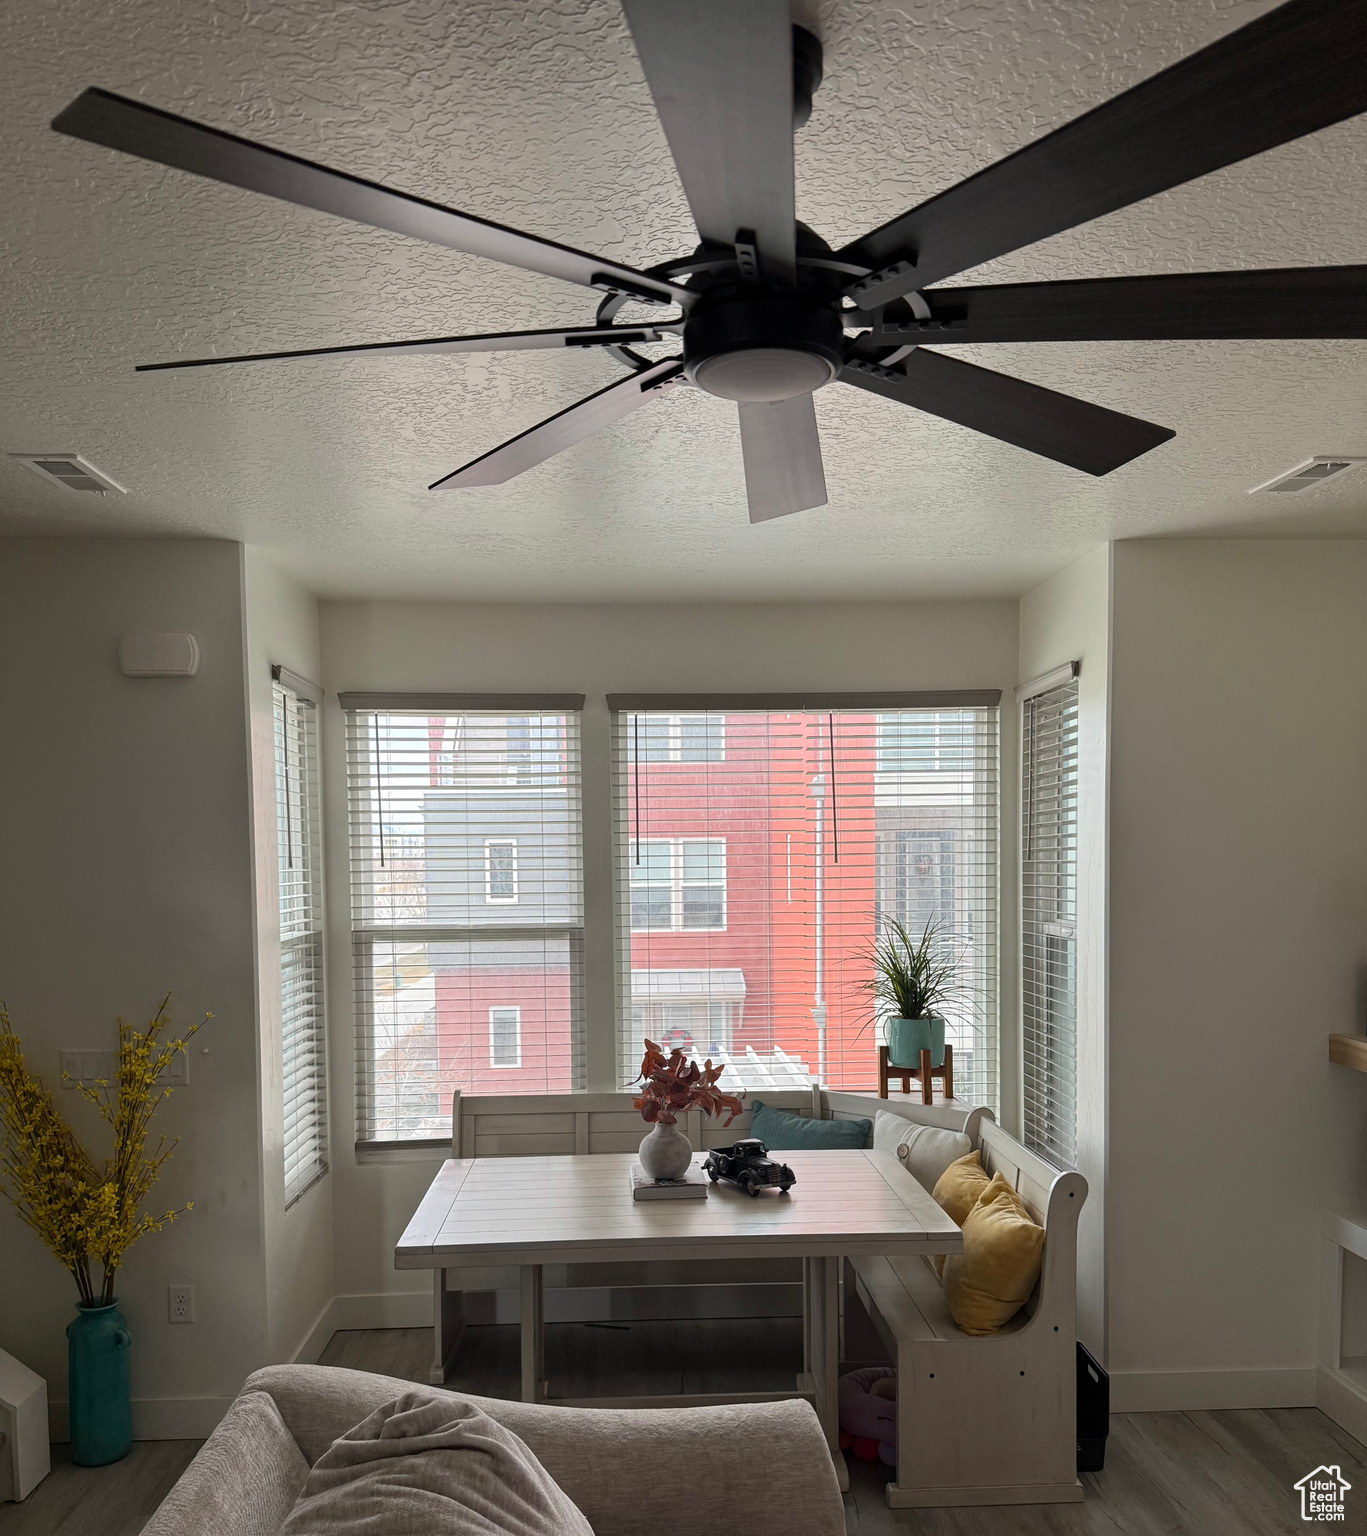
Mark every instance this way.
x=127 y=871
x=1066 y=619
x=282 y=629
x=1238 y=922
x=594 y=650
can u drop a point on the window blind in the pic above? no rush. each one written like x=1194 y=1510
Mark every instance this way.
x=467 y=905
x=299 y=846
x=1049 y=921
x=759 y=846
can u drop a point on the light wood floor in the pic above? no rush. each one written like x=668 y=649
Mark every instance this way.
x=1167 y=1474
x=117 y=1500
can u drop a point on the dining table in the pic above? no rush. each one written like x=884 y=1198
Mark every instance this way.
x=532 y=1211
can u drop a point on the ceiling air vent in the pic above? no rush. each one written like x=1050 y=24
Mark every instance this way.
x=1312 y=473
x=70 y=470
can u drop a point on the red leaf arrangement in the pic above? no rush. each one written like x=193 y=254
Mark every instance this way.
x=674 y=1084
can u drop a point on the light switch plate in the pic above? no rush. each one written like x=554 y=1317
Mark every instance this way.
x=89 y=1067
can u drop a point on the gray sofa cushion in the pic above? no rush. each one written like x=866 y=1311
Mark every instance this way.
x=430 y=1465
x=243 y=1482
x=765 y=1466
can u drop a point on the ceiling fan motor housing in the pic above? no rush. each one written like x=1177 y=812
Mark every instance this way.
x=762 y=347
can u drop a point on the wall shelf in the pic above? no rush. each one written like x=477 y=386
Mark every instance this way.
x=1349 y=1051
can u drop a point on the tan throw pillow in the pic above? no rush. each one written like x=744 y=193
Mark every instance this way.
x=959 y=1186
x=991 y=1280
x=957 y=1191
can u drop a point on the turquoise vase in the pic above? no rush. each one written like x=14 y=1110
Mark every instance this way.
x=97 y=1379
x=907 y=1038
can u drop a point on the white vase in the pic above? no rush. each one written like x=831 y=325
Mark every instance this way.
x=666 y=1152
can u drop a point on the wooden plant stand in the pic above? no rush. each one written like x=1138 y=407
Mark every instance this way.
x=925 y=1074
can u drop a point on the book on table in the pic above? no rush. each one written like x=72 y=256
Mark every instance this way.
x=693 y=1185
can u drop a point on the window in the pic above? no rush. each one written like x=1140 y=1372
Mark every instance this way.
x=467 y=904
x=500 y=871
x=678 y=884
x=1049 y=921
x=299 y=848
x=682 y=739
x=505 y=1037
x=920 y=742
x=751 y=884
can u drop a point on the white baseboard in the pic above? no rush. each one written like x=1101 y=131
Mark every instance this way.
x=1184 y=1391
x=156 y=1418
x=378 y=1309
x=1342 y=1400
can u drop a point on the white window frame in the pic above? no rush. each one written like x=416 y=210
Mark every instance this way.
x=516 y=1011
x=383 y=1121
x=303 y=1023
x=490 y=843
x=1048 y=876
x=677 y=884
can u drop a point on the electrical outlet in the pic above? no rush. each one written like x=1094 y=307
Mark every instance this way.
x=180 y=1303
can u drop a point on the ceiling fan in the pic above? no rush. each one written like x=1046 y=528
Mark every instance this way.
x=767 y=313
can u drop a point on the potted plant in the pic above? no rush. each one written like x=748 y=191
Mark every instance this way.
x=673 y=1084
x=911 y=978
x=85 y=1210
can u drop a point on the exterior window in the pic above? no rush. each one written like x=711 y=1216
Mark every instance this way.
x=467 y=909
x=505 y=1037
x=302 y=1025
x=500 y=871
x=683 y=739
x=921 y=741
x=1049 y=922
x=679 y=884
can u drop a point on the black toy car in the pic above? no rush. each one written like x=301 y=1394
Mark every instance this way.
x=747 y=1165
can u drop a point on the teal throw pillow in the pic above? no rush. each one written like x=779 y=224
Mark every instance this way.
x=784 y=1132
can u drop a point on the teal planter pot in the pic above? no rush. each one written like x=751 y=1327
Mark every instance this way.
x=97 y=1377
x=907 y=1038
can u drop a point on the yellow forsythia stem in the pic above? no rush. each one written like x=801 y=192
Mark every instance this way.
x=79 y=1208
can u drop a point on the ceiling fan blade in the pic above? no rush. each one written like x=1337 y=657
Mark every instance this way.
x=1073 y=432
x=565 y=428
x=782 y=451
x=497 y=341
x=721 y=75
x=100 y=117
x=1293 y=302
x=1296 y=69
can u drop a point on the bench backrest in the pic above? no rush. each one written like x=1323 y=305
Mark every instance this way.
x=1055 y=1199
x=948 y=1114
x=557 y=1124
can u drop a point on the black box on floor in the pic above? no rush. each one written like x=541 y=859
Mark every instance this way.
x=1093 y=1412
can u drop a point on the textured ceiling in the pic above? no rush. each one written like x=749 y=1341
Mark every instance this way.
x=536 y=114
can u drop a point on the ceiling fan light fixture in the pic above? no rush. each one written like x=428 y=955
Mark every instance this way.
x=762 y=347
x=763 y=373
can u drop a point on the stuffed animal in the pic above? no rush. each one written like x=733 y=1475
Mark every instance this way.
x=868 y=1414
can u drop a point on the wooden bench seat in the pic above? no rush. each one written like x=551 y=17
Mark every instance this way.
x=986 y=1420
x=910 y=1302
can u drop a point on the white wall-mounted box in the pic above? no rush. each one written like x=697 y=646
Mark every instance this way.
x=24 y=1456
x=158 y=654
